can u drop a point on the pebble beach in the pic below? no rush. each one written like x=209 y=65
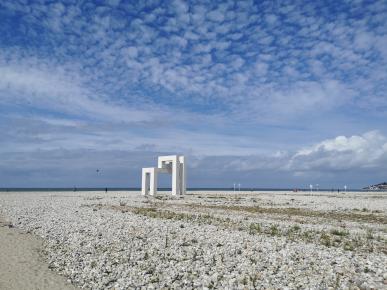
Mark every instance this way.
x=207 y=240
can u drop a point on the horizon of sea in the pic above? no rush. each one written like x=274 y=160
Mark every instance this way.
x=56 y=189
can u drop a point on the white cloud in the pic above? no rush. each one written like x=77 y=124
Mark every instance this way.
x=261 y=68
x=237 y=62
x=131 y=51
x=206 y=63
x=276 y=104
x=349 y=154
x=363 y=40
x=180 y=6
x=343 y=153
x=302 y=61
x=215 y=15
x=271 y=19
x=52 y=87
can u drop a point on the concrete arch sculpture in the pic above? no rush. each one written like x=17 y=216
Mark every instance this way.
x=172 y=164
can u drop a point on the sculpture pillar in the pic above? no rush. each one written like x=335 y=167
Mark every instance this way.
x=182 y=170
x=149 y=181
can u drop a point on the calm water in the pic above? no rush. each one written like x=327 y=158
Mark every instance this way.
x=166 y=189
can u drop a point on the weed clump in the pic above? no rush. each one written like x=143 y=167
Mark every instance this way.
x=325 y=239
x=295 y=228
x=370 y=235
x=254 y=228
x=274 y=231
x=348 y=246
x=338 y=232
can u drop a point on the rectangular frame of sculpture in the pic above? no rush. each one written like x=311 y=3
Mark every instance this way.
x=172 y=164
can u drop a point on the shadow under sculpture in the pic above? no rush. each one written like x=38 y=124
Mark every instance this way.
x=172 y=164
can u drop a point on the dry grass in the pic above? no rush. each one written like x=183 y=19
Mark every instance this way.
x=289 y=211
x=334 y=238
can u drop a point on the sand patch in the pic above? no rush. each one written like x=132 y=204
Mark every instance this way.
x=21 y=266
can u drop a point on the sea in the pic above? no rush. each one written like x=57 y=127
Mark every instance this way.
x=53 y=189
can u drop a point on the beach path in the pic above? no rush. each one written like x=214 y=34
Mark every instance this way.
x=21 y=267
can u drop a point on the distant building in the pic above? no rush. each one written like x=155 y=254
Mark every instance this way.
x=380 y=186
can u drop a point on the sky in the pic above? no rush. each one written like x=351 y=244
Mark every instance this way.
x=277 y=94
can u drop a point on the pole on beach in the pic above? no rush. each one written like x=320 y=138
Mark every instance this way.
x=234 y=187
x=239 y=186
x=311 y=187
x=345 y=188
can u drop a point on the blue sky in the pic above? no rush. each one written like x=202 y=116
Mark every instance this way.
x=266 y=94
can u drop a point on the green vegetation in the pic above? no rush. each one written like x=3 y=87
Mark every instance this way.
x=336 y=215
x=348 y=246
x=370 y=236
x=338 y=232
x=254 y=228
x=325 y=239
x=336 y=237
x=274 y=231
x=295 y=228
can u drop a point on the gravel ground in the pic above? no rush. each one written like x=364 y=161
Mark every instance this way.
x=262 y=240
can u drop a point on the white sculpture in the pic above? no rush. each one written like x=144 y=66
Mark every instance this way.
x=172 y=164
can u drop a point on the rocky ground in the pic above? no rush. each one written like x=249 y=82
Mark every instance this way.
x=263 y=240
